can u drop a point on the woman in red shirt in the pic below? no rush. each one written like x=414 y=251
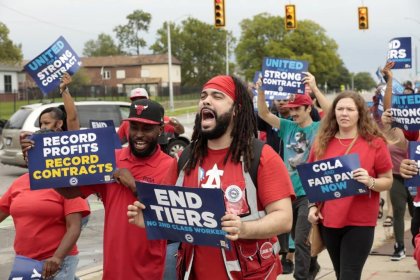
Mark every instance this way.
x=347 y=224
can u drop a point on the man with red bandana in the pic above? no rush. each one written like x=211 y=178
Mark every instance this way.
x=127 y=252
x=220 y=157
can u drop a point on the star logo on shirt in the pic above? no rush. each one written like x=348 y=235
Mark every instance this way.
x=213 y=178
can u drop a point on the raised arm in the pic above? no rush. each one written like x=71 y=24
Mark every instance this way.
x=309 y=79
x=394 y=135
x=388 y=91
x=263 y=111
x=71 y=112
x=178 y=127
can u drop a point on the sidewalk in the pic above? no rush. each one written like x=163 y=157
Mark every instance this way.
x=376 y=267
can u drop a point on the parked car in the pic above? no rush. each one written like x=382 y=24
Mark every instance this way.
x=27 y=119
x=172 y=143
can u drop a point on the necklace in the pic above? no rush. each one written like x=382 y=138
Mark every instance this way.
x=341 y=143
x=339 y=140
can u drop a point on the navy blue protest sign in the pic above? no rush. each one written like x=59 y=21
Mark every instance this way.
x=399 y=51
x=414 y=154
x=47 y=68
x=331 y=178
x=106 y=123
x=282 y=77
x=26 y=269
x=268 y=101
x=72 y=158
x=191 y=215
x=406 y=111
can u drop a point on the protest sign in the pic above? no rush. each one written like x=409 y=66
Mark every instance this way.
x=26 y=269
x=268 y=101
x=190 y=215
x=282 y=77
x=47 y=68
x=72 y=158
x=331 y=178
x=106 y=123
x=414 y=154
x=406 y=111
x=400 y=52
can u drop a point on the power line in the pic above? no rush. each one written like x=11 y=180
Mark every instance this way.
x=44 y=21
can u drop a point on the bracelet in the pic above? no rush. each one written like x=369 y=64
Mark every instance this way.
x=372 y=185
x=310 y=205
x=65 y=89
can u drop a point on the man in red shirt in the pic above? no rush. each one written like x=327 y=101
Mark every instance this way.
x=127 y=252
x=220 y=157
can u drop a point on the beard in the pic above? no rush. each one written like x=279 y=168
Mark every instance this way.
x=222 y=124
x=145 y=153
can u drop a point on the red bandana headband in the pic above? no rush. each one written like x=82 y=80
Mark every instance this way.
x=224 y=84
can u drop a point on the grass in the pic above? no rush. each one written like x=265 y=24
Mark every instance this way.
x=183 y=104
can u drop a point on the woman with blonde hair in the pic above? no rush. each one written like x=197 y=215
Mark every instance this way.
x=347 y=224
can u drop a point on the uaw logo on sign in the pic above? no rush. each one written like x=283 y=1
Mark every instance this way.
x=331 y=178
x=190 y=215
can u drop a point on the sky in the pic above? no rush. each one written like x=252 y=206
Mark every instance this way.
x=37 y=24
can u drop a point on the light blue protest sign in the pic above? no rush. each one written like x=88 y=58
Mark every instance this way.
x=406 y=111
x=331 y=178
x=47 y=68
x=26 y=269
x=191 y=215
x=414 y=154
x=106 y=123
x=282 y=77
x=72 y=158
x=397 y=87
x=399 y=51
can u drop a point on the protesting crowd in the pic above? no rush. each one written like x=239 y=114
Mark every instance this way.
x=314 y=183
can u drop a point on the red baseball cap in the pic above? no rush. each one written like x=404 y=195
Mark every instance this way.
x=299 y=100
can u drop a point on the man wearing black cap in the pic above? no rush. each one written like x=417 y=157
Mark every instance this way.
x=127 y=252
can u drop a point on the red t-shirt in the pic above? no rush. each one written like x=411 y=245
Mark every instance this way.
x=39 y=217
x=358 y=210
x=273 y=184
x=127 y=252
x=124 y=129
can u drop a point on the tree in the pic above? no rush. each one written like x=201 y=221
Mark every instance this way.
x=128 y=35
x=265 y=35
x=363 y=81
x=200 y=47
x=79 y=80
x=9 y=52
x=102 y=46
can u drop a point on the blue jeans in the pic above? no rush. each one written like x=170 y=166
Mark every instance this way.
x=68 y=268
x=170 y=263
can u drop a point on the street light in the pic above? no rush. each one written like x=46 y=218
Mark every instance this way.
x=171 y=89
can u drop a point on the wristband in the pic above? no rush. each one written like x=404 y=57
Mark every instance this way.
x=372 y=185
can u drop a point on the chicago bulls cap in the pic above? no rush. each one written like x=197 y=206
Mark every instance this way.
x=146 y=111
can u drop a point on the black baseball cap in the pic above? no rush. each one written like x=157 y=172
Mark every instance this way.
x=146 y=111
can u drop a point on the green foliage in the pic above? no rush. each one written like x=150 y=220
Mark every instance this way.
x=104 y=45
x=199 y=46
x=363 y=81
x=128 y=35
x=265 y=35
x=79 y=80
x=9 y=52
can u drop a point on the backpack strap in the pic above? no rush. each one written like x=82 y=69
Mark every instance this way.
x=253 y=172
x=183 y=158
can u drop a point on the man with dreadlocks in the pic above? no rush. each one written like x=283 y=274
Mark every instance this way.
x=220 y=157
